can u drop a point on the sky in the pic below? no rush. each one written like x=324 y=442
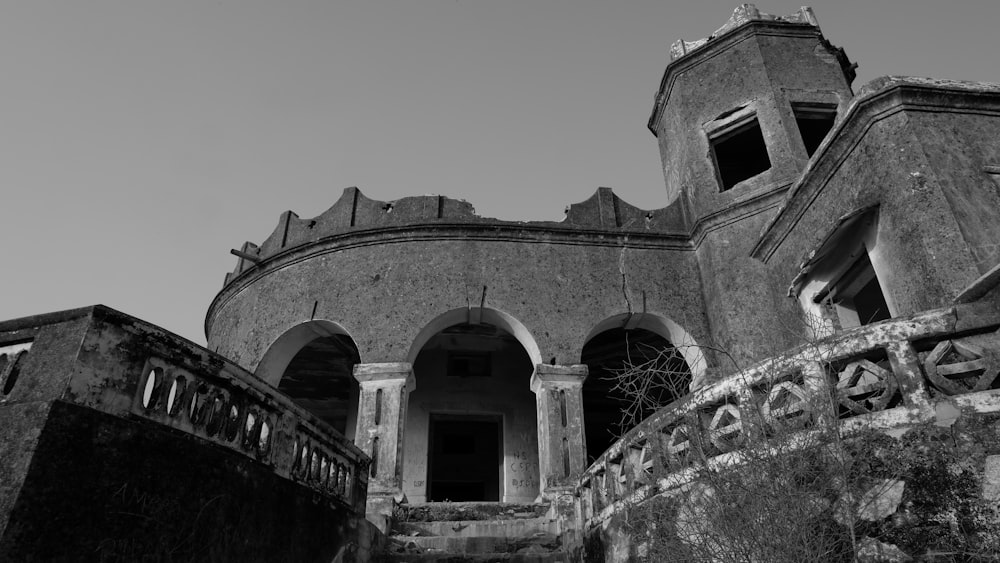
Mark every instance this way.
x=141 y=140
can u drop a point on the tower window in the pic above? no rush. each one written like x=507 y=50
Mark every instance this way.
x=814 y=122
x=740 y=153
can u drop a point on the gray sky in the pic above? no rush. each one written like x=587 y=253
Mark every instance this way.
x=141 y=139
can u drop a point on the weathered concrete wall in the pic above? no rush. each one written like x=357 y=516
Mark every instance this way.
x=121 y=442
x=25 y=408
x=959 y=148
x=119 y=490
x=506 y=393
x=760 y=68
x=740 y=293
x=385 y=293
x=937 y=208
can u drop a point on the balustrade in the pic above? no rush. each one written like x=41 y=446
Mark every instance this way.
x=252 y=423
x=878 y=376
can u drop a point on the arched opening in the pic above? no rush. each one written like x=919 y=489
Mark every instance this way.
x=471 y=425
x=476 y=315
x=313 y=364
x=632 y=373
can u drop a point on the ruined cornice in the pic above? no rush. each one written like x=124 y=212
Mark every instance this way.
x=604 y=213
x=877 y=100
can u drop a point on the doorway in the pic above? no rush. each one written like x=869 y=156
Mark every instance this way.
x=463 y=462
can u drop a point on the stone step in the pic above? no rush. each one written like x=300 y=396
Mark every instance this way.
x=477 y=532
x=461 y=511
x=556 y=557
x=480 y=544
x=523 y=527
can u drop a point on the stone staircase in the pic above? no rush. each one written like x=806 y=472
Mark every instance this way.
x=480 y=532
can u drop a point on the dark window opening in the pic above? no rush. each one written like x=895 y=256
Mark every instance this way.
x=870 y=304
x=469 y=364
x=740 y=153
x=857 y=297
x=814 y=123
x=464 y=460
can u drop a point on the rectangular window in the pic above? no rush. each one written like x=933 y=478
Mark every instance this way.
x=740 y=153
x=814 y=122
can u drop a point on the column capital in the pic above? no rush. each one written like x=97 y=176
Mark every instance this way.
x=558 y=377
x=387 y=373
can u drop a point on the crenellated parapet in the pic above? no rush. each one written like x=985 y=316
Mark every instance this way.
x=602 y=214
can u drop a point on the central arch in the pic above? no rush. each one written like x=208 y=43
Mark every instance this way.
x=471 y=428
x=475 y=315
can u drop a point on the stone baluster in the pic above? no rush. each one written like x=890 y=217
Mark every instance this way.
x=384 y=393
x=906 y=367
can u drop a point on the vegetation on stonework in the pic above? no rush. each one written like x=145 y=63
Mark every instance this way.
x=942 y=514
x=794 y=490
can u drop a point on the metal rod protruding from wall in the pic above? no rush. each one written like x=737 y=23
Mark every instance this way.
x=245 y=256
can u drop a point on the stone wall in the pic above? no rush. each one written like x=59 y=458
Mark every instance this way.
x=385 y=285
x=122 y=442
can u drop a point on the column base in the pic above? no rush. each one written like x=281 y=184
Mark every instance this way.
x=563 y=507
x=380 y=507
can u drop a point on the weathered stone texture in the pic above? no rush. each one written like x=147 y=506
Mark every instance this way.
x=123 y=491
x=95 y=453
x=903 y=190
x=384 y=295
x=931 y=199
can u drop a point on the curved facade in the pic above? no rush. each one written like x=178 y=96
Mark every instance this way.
x=387 y=274
x=410 y=283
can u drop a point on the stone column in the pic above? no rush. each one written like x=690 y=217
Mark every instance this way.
x=385 y=389
x=562 y=448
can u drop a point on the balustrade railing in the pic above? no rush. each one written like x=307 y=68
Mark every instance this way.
x=243 y=416
x=881 y=375
x=101 y=359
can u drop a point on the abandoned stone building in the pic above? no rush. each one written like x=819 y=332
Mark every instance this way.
x=414 y=352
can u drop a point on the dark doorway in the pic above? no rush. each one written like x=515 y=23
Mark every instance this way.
x=464 y=460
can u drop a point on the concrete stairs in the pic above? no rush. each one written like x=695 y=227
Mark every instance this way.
x=479 y=532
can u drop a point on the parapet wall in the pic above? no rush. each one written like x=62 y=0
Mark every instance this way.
x=122 y=439
x=603 y=212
